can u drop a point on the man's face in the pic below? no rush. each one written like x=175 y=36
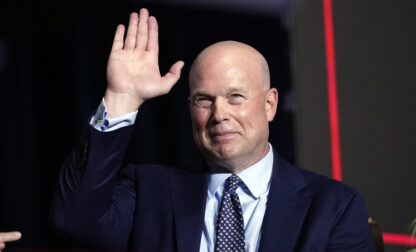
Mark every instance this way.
x=230 y=110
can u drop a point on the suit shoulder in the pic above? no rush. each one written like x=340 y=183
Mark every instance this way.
x=322 y=183
x=328 y=193
x=315 y=182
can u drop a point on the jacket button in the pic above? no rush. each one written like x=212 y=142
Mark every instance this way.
x=84 y=155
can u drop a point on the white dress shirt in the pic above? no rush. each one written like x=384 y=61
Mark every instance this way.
x=252 y=192
x=253 y=197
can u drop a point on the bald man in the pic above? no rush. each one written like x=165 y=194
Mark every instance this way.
x=250 y=199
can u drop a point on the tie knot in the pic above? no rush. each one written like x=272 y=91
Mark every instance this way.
x=233 y=182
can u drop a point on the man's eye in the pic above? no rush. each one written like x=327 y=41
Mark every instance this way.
x=203 y=102
x=236 y=98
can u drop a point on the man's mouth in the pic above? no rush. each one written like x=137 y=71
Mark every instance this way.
x=223 y=135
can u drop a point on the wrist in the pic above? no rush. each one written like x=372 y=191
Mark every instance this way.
x=120 y=103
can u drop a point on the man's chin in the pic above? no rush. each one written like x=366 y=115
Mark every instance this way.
x=222 y=157
x=225 y=151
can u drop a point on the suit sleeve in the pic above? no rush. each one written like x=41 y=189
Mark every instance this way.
x=94 y=201
x=352 y=232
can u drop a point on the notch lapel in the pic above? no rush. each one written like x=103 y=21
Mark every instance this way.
x=189 y=194
x=287 y=205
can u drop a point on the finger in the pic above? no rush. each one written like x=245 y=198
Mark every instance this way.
x=142 y=33
x=10 y=236
x=118 y=38
x=153 y=43
x=131 y=31
x=2 y=246
x=173 y=75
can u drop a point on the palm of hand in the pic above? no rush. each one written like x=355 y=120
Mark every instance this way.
x=133 y=71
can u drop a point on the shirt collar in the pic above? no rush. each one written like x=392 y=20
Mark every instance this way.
x=256 y=177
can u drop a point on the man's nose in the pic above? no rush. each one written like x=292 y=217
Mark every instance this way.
x=220 y=111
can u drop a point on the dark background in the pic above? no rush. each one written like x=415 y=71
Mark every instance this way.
x=375 y=56
x=53 y=56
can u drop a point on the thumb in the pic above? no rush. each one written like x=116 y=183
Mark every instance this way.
x=174 y=73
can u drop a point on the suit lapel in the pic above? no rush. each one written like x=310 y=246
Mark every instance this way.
x=188 y=199
x=287 y=205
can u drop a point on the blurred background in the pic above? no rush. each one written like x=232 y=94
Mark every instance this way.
x=53 y=57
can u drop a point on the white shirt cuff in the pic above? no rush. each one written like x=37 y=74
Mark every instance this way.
x=101 y=123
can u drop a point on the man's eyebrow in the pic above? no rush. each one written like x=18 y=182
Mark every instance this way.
x=205 y=93
x=200 y=93
x=234 y=89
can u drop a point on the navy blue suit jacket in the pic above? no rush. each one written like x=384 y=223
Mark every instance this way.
x=158 y=208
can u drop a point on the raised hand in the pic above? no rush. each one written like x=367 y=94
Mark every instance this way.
x=8 y=237
x=133 y=70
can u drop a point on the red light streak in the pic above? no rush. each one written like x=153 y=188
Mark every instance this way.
x=332 y=90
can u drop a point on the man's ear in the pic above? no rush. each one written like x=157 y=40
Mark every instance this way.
x=271 y=103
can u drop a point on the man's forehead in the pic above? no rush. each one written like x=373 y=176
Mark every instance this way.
x=220 y=71
x=225 y=55
x=227 y=78
x=227 y=62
